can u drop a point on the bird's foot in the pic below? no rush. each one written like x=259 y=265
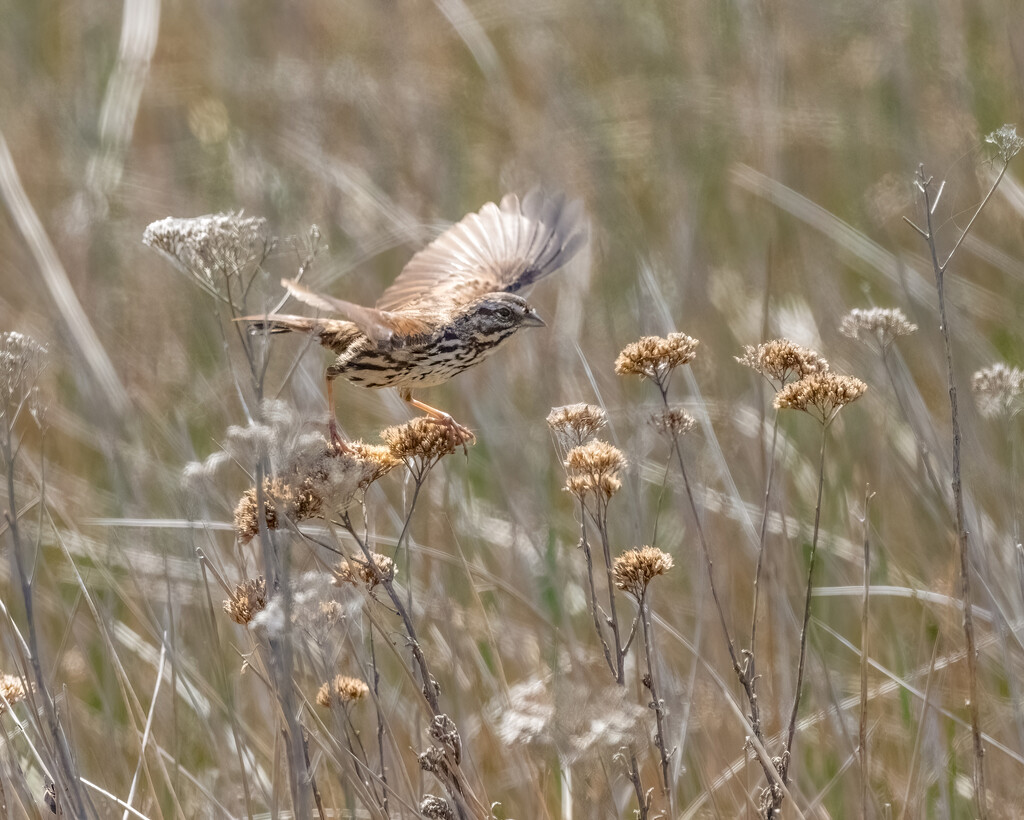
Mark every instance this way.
x=463 y=435
x=337 y=442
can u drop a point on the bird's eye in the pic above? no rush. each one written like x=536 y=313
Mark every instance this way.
x=504 y=313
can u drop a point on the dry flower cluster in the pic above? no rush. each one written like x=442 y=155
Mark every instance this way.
x=635 y=568
x=594 y=467
x=575 y=424
x=12 y=687
x=248 y=600
x=781 y=360
x=342 y=690
x=673 y=422
x=881 y=325
x=654 y=357
x=355 y=570
x=998 y=390
x=821 y=395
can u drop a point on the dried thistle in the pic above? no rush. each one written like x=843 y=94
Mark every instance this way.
x=881 y=325
x=998 y=390
x=673 y=422
x=436 y=808
x=213 y=247
x=248 y=599
x=355 y=570
x=317 y=482
x=575 y=424
x=342 y=690
x=780 y=360
x=634 y=569
x=821 y=395
x=655 y=357
x=12 y=687
x=594 y=467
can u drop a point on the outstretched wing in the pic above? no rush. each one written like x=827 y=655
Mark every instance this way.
x=504 y=247
x=379 y=325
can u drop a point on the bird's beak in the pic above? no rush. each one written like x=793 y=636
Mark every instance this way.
x=531 y=319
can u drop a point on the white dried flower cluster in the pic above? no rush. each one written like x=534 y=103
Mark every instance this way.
x=1006 y=141
x=22 y=360
x=211 y=247
x=881 y=325
x=999 y=390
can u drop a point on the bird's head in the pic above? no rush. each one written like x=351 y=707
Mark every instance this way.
x=496 y=316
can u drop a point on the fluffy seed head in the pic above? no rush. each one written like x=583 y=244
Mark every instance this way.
x=248 y=599
x=822 y=395
x=634 y=569
x=880 y=325
x=781 y=360
x=575 y=424
x=654 y=357
x=998 y=390
x=436 y=808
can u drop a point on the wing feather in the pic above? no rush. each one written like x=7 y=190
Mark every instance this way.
x=504 y=247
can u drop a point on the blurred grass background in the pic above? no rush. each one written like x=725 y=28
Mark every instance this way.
x=745 y=167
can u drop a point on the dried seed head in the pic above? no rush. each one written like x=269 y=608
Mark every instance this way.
x=780 y=360
x=211 y=247
x=575 y=424
x=594 y=468
x=355 y=570
x=673 y=422
x=880 y=325
x=422 y=442
x=22 y=360
x=1006 y=141
x=342 y=690
x=634 y=569
x=654 y=357
x=998 y=390
x=316 y=483
x=436 y=808
x=12 y=687
x=248 y=599
x=821 y=395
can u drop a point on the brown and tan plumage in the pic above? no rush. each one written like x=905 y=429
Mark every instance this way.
x=453 y=304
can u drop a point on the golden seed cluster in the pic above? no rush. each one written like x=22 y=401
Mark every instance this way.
x=635 y=568
x=248 y=599
x=594 y=467
x=822 y=394
x=422 y=438
x=654 y=356
x=673 y=422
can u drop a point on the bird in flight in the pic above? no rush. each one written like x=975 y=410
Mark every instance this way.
x=453 y=304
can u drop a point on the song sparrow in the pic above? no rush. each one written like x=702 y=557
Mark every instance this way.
x=454 y=303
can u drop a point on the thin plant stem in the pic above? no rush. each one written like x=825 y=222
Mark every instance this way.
x=963 y=542
x=864 y=655
x=791 y=732
x=585 y=545
x=656 y=702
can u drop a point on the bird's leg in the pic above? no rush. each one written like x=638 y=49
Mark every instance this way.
x=439 y=417
x=332 y=425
